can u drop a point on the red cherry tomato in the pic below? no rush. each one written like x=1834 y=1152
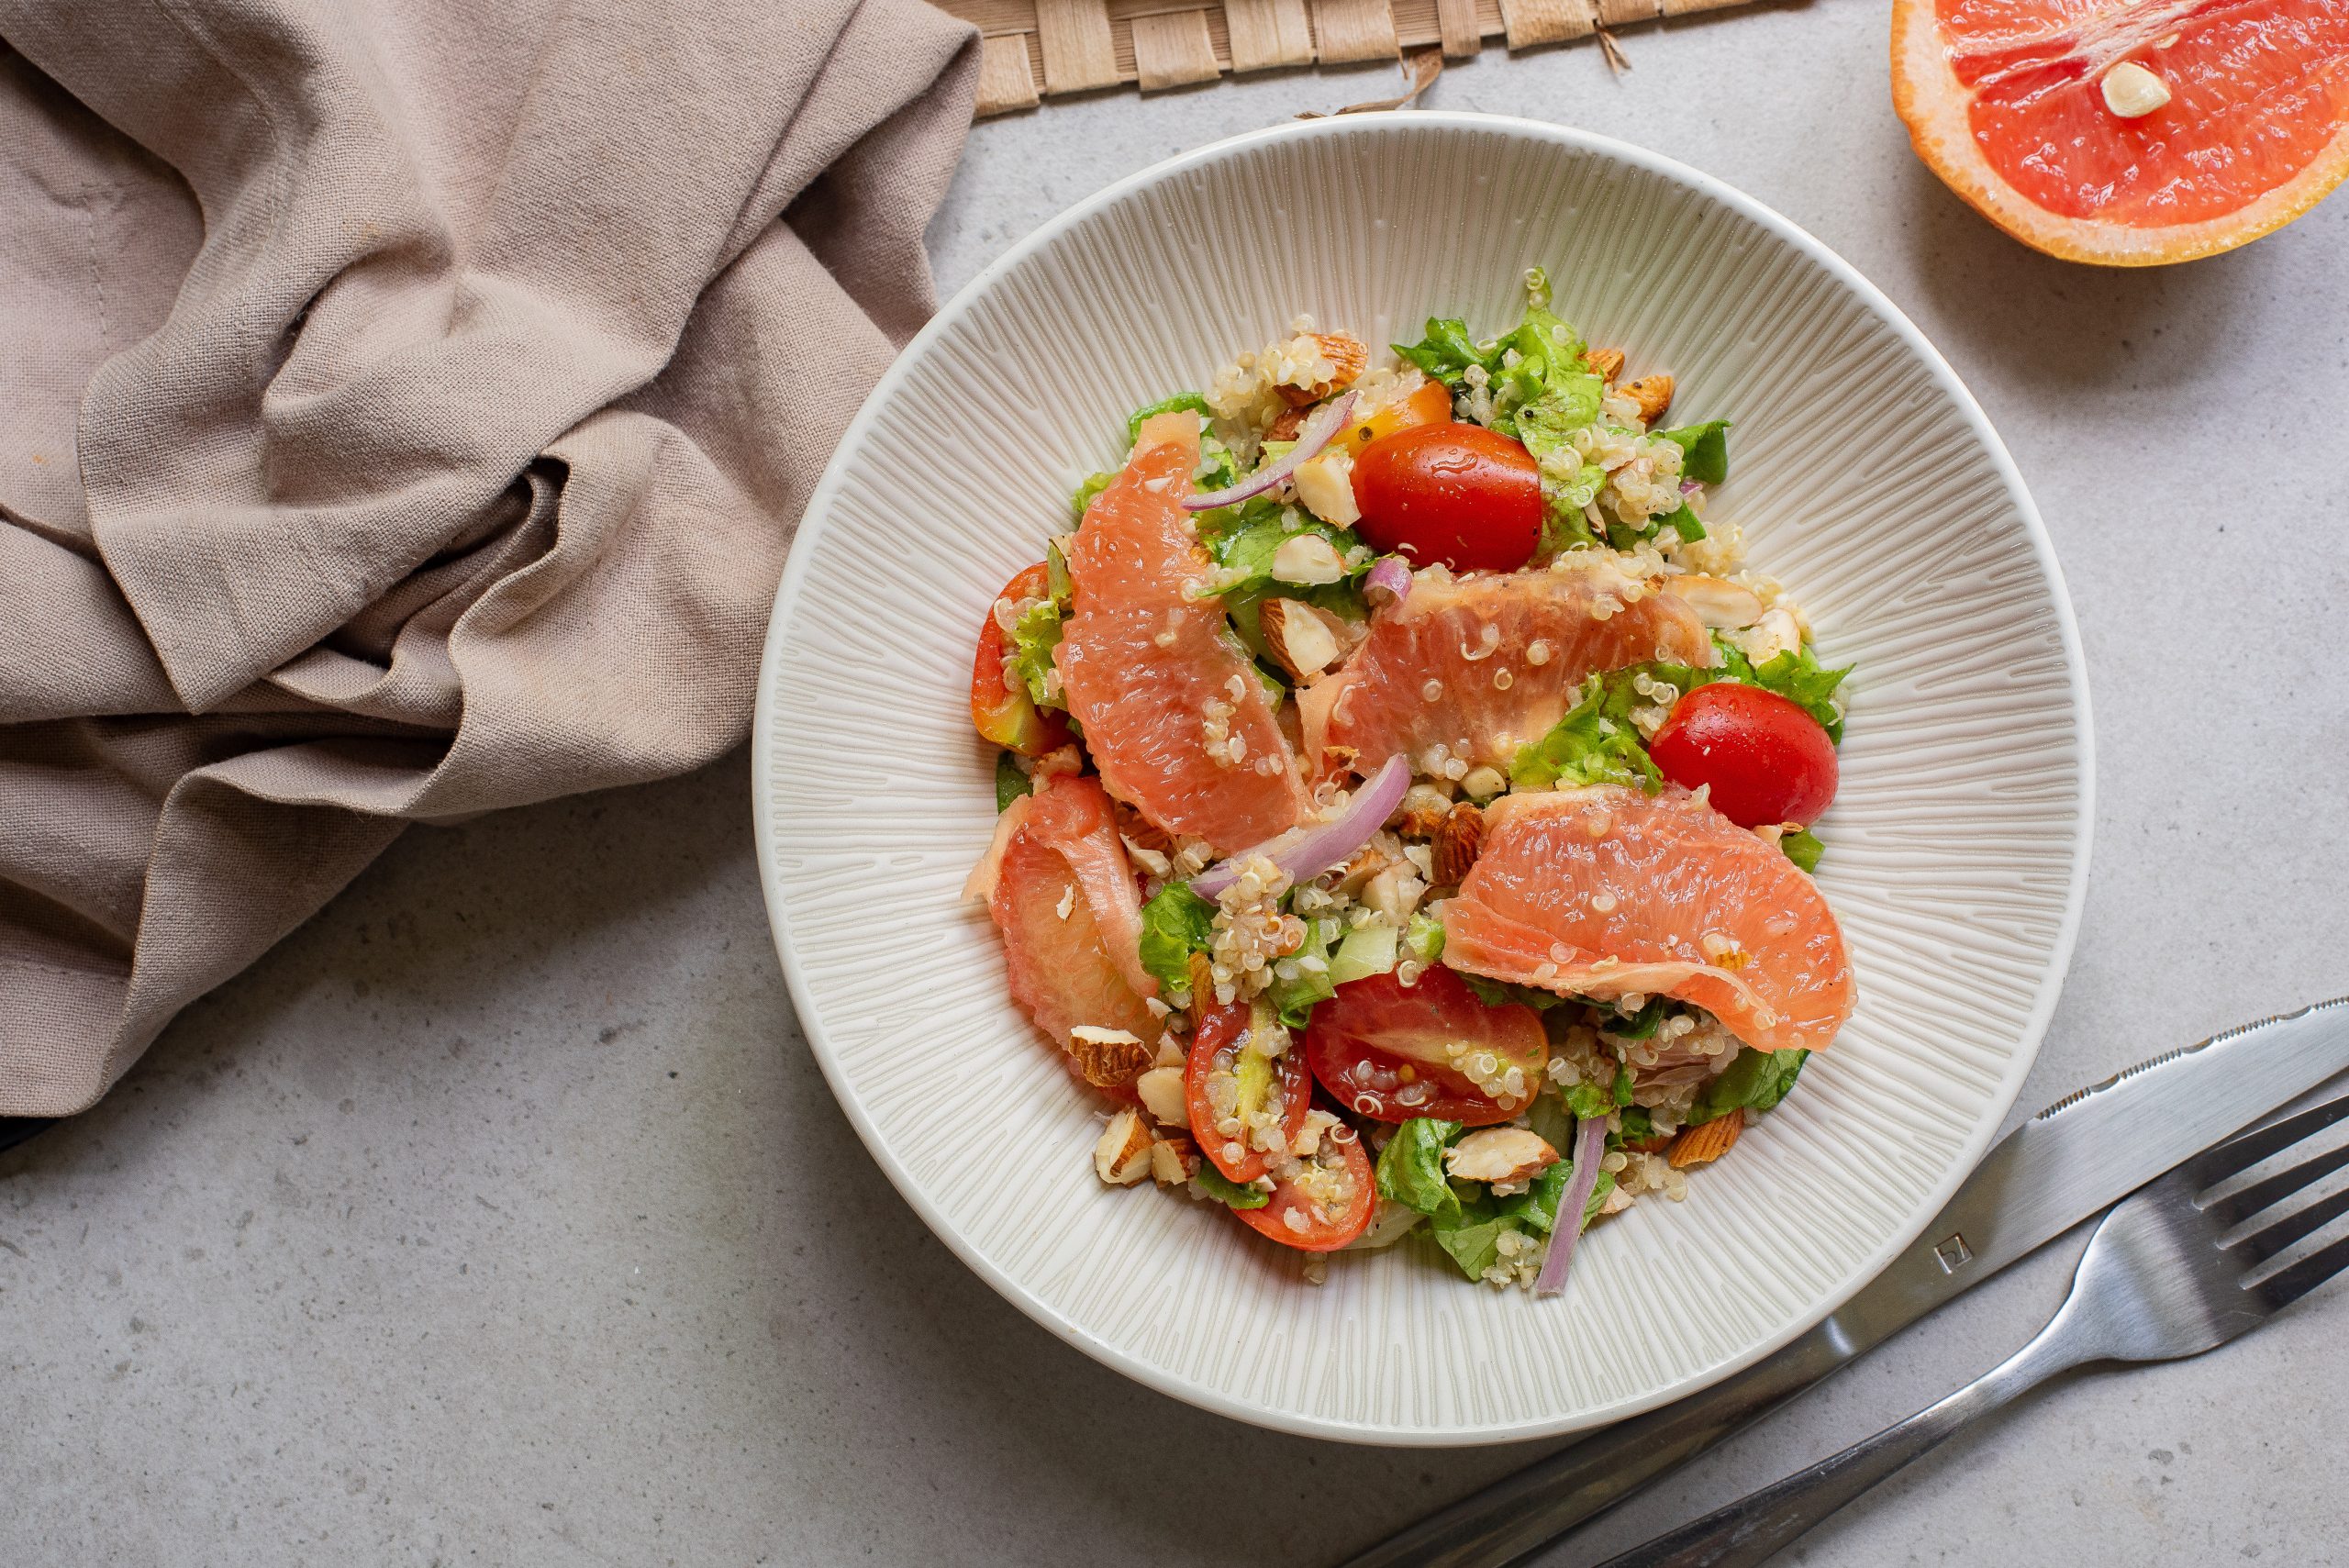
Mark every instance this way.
x=1431 y=1049
x=1335 y=1196
x=1215 y=1051
x=1451 y=492
x=1766 y=759
x=1001 y=711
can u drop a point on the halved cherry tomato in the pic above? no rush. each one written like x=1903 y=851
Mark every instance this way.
x=1003 y=711
x=1336 y=1193
x=1430 y=1048
x=1766 y=759
x=1430 y=404
x=1453 y=493
x=1221 y=1047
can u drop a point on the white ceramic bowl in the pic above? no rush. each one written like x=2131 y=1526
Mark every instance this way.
x=1866 y=479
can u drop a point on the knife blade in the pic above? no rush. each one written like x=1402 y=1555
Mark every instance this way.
x=2080 y=1155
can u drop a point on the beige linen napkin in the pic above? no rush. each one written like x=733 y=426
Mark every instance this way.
x=405 y=407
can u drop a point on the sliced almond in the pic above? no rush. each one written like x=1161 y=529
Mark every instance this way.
x=1499 y=1155
x=1718 y=603
x=1357 y=872
x=1607 y=363
x=1121 y=1157
x=1421 y=819
x=1107 y=1058
x=1302 y=639
x=1703 y=1145
x=1286 y=425
x=1161 y=1093
x=1457 y=843
x=1307 y=560
x=1174 y=1160
x=1326 y=485
x=1652 y=394
x=1346 y=356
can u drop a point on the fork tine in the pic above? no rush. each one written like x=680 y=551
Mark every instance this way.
x=2263 y=1244
x=2288 y=1285
x=2270 y=1190
x=2239 y=1154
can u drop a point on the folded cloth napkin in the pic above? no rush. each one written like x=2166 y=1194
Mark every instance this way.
x=405 y=409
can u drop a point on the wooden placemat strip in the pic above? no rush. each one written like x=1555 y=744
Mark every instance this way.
x=1077 y=46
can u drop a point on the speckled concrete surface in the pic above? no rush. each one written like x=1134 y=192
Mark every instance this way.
x=499 y=1217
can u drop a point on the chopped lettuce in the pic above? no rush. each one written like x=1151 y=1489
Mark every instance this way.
x=1756 y=1081
x=1473 y=1238
x=1294 y=999
x=1094 y=484
x=1636 y=1126
x=1242 y=539
x=1704 y=450
x=1640 y=1025
x=1803 y=847
x=1056 y=577
x=1797 y=674
x=1423 y=937
x=1410 y=1168
x=1446 y=352
x=1224 y=1190
x=1010 y=783
x=1596 y=742
x=1175 y=925
x=1033 y=638
x=1503 y=993
x=1367 y=951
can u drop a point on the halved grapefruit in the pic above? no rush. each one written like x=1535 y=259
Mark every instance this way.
x=1606 y=891
x=2128 y=132
x=1491 y=661
x=1174 y=714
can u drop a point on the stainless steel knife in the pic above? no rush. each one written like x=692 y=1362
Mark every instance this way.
x=2081 y=1154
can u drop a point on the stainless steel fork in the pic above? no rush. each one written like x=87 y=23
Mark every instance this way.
x=2163 y=1277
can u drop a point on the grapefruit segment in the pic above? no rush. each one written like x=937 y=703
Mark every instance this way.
x=1605 y=891
x=1504 y=655
x=1172 y=712
x=1069 y=922
x=2245 y=126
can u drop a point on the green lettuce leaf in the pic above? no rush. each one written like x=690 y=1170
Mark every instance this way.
x=1446 y=351
x=1504 y=992
x=1596 y=742
x=1010 y=783
x=1423 y=937
x=1803 y=847
x=1704 y=450
x=1094 y=484
x=1224 y=1190
x=1175 y=925
x=1472 y=1237
x=1756 y=1081
x=1033 y=638
x=1410 y=1168
x=1295 y=999
x=1640 y=1025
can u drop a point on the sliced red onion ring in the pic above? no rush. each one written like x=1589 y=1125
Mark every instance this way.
x=1390 y=573
x=1319 y=426
x=1590 y=1147
x=1309 y=852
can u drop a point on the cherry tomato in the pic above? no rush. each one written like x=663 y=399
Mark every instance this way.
x=1431 y=404
x=1431 y=1049
x=1002 y=711
x=1217 y=1049
x=1766 y=759
x=1335 y=1193
x=1452 y=493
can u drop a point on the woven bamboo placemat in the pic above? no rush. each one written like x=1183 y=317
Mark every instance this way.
x=1039 y=49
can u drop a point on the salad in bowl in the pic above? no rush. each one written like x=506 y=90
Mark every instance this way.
x=1406 y=792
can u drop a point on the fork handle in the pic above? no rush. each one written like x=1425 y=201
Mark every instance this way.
x=1760 y=1524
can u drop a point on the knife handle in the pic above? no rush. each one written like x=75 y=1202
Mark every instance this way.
x=1523 y=1511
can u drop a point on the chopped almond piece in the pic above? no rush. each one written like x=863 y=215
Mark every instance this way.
x=1107 y=1058
x=1499 y=1155
x=1703 y=1145
x=1286 y=425
x=1161 y=1093
x=1348 y=358
x=1607 y=363
x=1652 y=394
x=1174 y=1160
x=1303 y=640
x=1122 y=1156
x=1456 y=842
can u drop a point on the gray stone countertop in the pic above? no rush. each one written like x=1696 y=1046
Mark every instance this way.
x=500 y=1215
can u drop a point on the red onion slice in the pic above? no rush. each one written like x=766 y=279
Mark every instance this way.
x=1319 y=426
x=1309 y=852
x=1389 y=573
x=1590 y=1147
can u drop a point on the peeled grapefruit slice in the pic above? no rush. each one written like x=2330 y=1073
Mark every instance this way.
x=1174 y=714
x=2222 y=119
x=1056 y=882
x=1493 y=661
x=1605 y=891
